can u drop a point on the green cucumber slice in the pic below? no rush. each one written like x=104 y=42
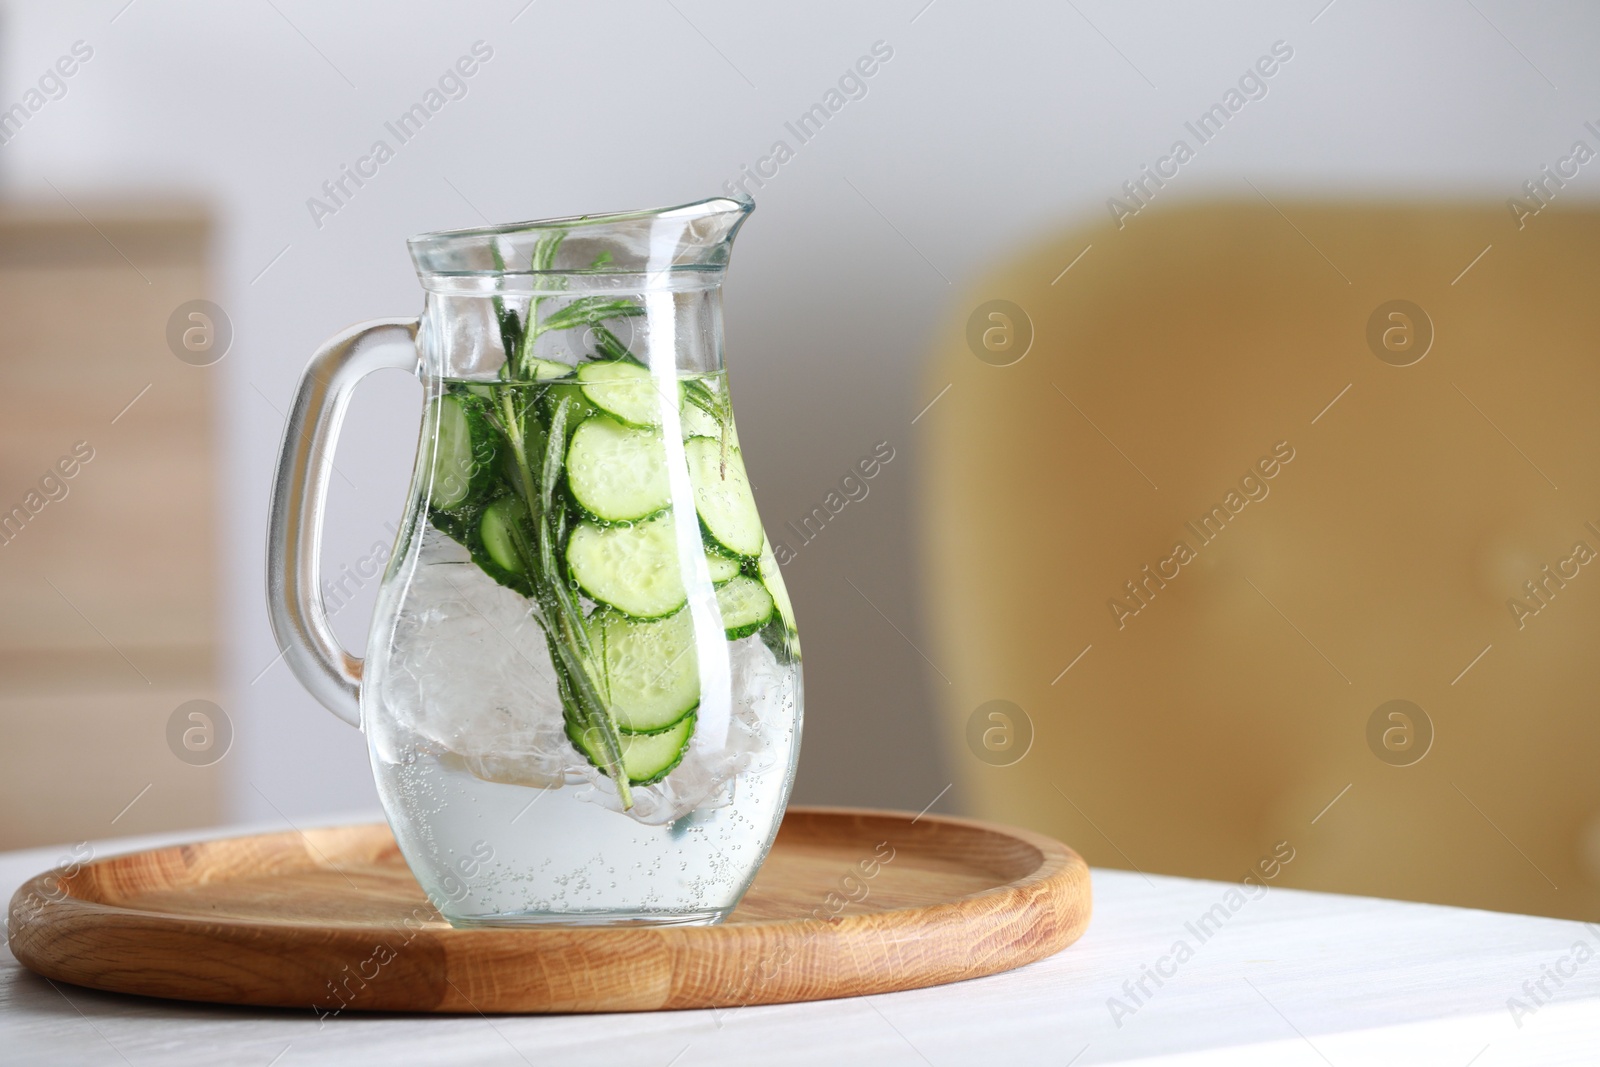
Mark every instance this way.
x=617 y=473
x=463 y=452
x=652 y=674
x=633 y=568
x=721 y=567
x=499 y=529
x=772 y=578
x=546 y=370
x=746 y=607
x=722 y=496
x=646 y=758
x=578 y=410
x=623 y=388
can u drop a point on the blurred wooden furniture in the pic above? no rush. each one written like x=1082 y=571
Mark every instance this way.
x=110 y=589
x=1229 y=704
x=1365 y=981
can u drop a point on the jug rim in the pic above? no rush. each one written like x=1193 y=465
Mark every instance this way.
x=691 y=236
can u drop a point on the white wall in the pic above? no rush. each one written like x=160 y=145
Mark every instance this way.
x=991 y=123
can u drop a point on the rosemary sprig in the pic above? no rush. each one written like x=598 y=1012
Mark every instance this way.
x=543 y=258
x=539 y=464
x=510 y=325
x=532 y=420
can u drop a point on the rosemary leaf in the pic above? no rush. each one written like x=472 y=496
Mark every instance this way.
x=545 y=249
x=610 y=346
x=589 y=311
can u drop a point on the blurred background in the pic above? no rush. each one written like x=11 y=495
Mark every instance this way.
x=1348 y=323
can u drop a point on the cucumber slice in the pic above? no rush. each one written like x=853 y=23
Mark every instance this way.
x=617 y=473
x=546 y=370
x=652 y=675
x=623 y=388
x=746 y=607
x=721 y=567
x=646 y=758
x=502 y=524
x=633 y=568
x=723 y=498
x=773 y=580
x=578 y=410
x=463 y=452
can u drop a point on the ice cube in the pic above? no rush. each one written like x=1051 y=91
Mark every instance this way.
x=469 y=675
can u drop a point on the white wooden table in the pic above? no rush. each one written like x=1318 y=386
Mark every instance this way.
x=1289 y=978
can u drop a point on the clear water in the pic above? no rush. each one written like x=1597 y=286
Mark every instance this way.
x=500 y=817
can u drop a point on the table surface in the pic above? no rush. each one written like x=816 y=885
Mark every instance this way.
x=1279 y=977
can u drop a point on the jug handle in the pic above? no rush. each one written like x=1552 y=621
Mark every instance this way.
x=299 y=498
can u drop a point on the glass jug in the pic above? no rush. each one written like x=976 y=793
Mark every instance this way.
x=581 y=693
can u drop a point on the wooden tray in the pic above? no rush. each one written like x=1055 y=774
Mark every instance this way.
x=332 y=920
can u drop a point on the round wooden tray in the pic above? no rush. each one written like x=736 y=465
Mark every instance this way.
x=332 y=920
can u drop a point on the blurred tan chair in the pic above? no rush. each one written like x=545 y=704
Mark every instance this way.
x=1232 y=711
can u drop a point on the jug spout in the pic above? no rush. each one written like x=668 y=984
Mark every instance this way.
x=688 y=237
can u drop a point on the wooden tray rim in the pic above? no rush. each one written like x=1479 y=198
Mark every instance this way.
x=1054 y=858
x=1053 y=898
